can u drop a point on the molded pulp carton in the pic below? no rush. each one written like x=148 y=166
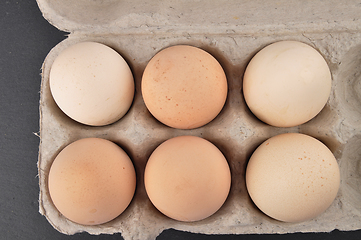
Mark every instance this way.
x=232 y=31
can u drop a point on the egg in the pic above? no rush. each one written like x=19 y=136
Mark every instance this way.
x=92 y=83
x=292 y=177
x=184 y=87
x=187 y=178
x=91 y=181
x=287 y=83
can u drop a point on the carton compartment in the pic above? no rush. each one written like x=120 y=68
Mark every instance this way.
x=351 y=173
x=349 y=90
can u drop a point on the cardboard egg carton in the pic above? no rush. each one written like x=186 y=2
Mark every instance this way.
x=233 y=32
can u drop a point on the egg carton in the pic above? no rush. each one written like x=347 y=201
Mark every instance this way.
x=233 y=32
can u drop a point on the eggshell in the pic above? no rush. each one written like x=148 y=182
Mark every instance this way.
x=184 y=87
x=91 y=181
x=187 y=178
x=92 y=83
x=287 y=83
x=292 y=177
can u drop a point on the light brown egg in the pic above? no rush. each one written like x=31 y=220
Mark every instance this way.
x=92 y=83
x=187 y=178
x=287 y=83
x=184 y=87
x=92 y=181
x=292 y=177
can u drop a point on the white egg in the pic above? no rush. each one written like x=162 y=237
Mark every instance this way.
x=92 y=83
x=292 y=177
x=287 y=84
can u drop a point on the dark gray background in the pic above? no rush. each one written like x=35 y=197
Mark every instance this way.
x=25 y=39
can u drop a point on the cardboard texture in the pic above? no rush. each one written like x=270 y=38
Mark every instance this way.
x=232 y=31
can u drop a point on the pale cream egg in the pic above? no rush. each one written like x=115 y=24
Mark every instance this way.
x=92 y=83
x=184 y=87
x=292 y=177
x=187 y=178
x=287 y=83
x=91 y=181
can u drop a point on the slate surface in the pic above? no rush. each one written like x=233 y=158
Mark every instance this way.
x=25 y=39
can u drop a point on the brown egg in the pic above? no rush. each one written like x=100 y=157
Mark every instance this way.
x=184 y=87
x=92 y=181
x=292 y=177
x=187 y=178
